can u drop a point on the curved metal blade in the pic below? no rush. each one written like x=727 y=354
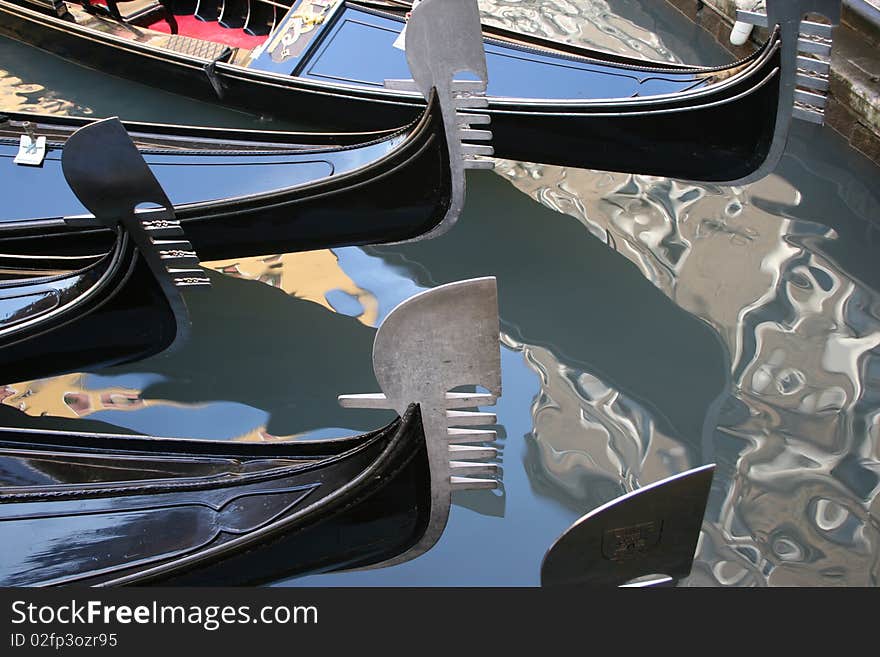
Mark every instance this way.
x=651 y=531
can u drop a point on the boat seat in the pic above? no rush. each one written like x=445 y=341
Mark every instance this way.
x=193 y=47
x=135 y=12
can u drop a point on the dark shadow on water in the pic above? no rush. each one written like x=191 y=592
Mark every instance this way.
x=563 y=289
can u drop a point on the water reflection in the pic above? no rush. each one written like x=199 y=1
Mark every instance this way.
x=650 y=326
x=758 y=264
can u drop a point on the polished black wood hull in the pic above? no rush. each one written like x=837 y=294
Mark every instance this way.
x=112 y=312
x=720 y=132
x=100 y=509
x=333 y=190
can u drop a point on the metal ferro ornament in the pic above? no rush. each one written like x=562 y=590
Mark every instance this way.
x=806 y=50
x=650 y=533
x=438 y=340
x=444 y=38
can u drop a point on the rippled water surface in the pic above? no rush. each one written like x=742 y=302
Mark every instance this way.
x=649 y=326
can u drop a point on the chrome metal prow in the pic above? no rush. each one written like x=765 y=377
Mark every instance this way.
x=805 y=66
x=109 y=176
x=432 y=343
x=444 y=39
x=645 y=538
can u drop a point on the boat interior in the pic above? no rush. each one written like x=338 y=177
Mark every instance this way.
x=340 y=42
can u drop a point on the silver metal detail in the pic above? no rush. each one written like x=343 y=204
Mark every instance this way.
x=438 y=340
x=471 y=453
x=814 y=65
x=796 y=35
x=444 y=39
x=802 y=97
x=31 y=148
x=751 y=17
x=815 y=47
x=808 y=114
x=816 y=29
x=460 y=436
x=177 y=253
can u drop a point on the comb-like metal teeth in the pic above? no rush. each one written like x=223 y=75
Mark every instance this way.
x=478 y=135
x=470 y=418
x=813 y=81
x=808 y=114
x=459 y=436
x=467 y=120
x=476 y=149
x=472 y=469
x=468 y=86
x=815 y=45
x=190 y=278
x=811 y=28
x=163 y=228
x=378 y=400
x=467 y=99
x=469 y=399
x=472 y=483
x=366 y=400
x=177 y=264
x=401 y=85
x=813 y=65
x=752 y=18
x=471 y=453
x=478 y=164
x=802 y=97
x=177 y=254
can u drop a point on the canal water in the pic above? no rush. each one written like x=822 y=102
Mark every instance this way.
x=648 y=326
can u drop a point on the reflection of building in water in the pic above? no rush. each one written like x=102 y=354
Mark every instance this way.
x=16 y=95
x=66 y=396
x=584 y=22
x=312 y=276
x=802 y=503
x=590 y=443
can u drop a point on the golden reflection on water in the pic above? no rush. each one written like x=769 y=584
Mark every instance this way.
x=16 y=95
x=310 y=276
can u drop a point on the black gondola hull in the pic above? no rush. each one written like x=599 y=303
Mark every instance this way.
x=399 y=196
x=718 y=137
x=138 y=510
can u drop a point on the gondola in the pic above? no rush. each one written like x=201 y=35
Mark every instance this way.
x=97 y=509
x=328 y=60
x=240 y=192
x=644 y=538
x=62 y=309
x=92 y=508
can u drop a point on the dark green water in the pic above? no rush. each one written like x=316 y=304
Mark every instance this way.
x=649 y=326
